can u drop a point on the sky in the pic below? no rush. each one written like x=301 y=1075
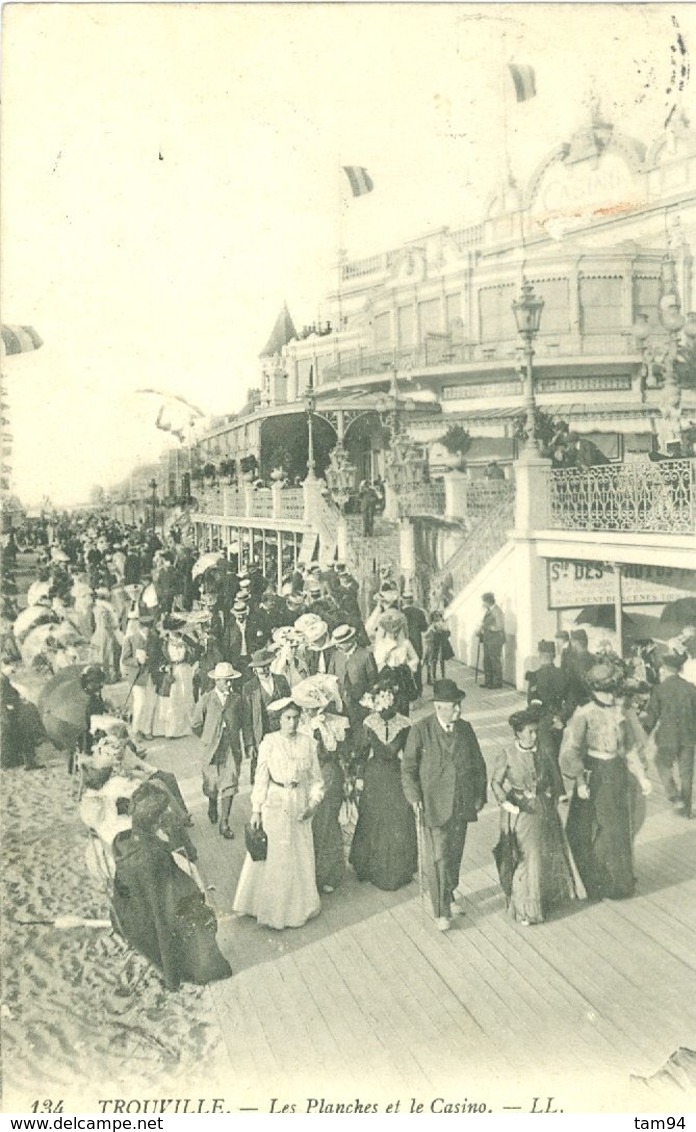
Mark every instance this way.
x=171 y=175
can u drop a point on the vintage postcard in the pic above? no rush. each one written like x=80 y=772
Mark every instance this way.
x=348 y=558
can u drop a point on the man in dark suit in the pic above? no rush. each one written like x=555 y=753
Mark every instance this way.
x=356 y=671
x=416 y=624
x=245 y=634
x=579 y=660
x=217 y=721
x=444 y=778
x=261 y=689
x=492 y=635
x=673 y=706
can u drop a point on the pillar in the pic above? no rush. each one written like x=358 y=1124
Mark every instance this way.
x=312 y=500
x=456 y=488
x=342 y=539
x=391 y=502
x=532 y=513
x=407 y=552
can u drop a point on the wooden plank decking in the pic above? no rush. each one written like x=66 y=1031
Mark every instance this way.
x=370 y=1001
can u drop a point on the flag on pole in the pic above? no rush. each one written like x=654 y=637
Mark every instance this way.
x=524 y=78
x=359 y=179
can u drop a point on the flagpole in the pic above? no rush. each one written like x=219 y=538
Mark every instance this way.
x=341 y=237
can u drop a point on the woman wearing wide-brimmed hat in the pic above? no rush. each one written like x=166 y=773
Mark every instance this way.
x=594 y=752
x=318 y=696
x=281 y=891
x=394 y=651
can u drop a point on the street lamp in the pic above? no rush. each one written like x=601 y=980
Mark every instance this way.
x=527 y=310
x=310 y=405
x=664 y=350
x=153 y=489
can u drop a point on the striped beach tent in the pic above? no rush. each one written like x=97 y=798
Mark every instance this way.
x=20 y=339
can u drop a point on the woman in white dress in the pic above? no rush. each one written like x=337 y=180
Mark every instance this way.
x=105 y=645
x=175 y=699
x=281 y=892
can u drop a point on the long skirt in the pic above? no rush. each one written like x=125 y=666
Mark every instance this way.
x=106 y=652
x=599 y=832
x=162 y=913
x=144 y=705
x=384 y=849
x=281 y=892
x=542 y=878
x=173 y=712
x=330 y=861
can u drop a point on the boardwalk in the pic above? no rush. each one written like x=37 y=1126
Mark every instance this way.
x=370 y=1001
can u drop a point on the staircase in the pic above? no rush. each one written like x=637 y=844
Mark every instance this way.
x=485 y=538
x=365 y=555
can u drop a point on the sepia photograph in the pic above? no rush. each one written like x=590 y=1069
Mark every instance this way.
x=348 y=559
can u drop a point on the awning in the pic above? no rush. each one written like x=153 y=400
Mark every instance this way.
x=574 y=410
x=20 y=339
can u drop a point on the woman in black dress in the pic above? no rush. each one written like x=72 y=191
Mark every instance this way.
x=384 y=848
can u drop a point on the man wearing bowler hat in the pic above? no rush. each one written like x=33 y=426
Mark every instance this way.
x=444 y=778
x=217 y=721
x=261 y=689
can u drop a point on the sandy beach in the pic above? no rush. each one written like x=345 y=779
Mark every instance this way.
x=78 y=1006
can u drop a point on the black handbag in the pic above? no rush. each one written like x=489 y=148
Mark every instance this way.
x=256 y=841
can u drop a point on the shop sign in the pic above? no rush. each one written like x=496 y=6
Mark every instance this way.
x=574 y=583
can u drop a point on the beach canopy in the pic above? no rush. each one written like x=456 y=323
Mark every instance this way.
x=20 y=339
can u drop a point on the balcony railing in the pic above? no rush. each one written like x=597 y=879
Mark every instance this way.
x=253 y=503
x=440 y=352
x=422 y=499
x=656 y=498
x=292 y=503
x=482 y=496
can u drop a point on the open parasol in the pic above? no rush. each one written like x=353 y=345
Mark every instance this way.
x=679 y=613
x=37 y=591
x=35 y=641
x=29 y=618
x=604 y=617
x=205 y=562
x=63 y=707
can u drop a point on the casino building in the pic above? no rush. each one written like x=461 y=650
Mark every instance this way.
x=420 y=343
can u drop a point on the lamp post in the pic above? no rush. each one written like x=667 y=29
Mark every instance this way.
x=310 y=405
x=663 y=350
x=153 y=489
x=527 y=310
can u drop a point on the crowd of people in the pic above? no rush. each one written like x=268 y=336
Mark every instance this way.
x=317 y=699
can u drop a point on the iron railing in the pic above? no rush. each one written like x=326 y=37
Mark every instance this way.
x=652 y=497
x=422 y=499
x=482 y=541
x=484 y=495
